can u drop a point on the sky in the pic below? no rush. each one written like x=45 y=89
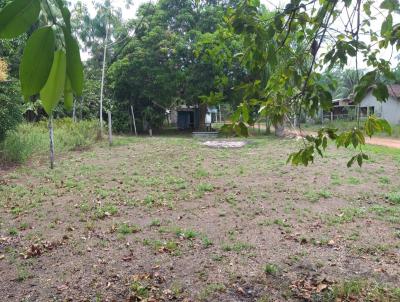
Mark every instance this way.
x=131 y=11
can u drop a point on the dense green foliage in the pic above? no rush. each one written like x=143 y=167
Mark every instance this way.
x=10 y=108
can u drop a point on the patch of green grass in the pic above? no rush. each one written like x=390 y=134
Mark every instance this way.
x=354 y=236
x=140 y=290
x=126 y=229
x=155 y=223
x=105 y=211
x=149 y=200
x=393 y=197
x=372 y=249
x=159 y=245
x=22 y=273
x=353 y=181
x=335 y=179
x=348 y=289
x=206 y=241
x=386 y=213
x=186 y=234
x=200 y=173
x=271 y=269
x=32 y=139
x=237 y=247
x=13 y=231
x=205 y=187
x=231 y=199
x=315 y=196
x=23 y=226
x=384 y=180
x=85 y=207
x=282 y=223
x=347 y=215
x=16 y=211
x=325 y=194
x=361 y=290
x=210 y=290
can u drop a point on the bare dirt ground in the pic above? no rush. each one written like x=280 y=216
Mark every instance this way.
x=377 y=141
x=167 y=219
x=387 y=142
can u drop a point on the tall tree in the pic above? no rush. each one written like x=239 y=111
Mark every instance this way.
x=160 y=66
x=314 y=25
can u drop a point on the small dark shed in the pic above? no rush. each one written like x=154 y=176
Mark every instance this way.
x=188 y=118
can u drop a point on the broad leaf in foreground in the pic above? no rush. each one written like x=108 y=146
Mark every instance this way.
x=36 y=61
x=17 y=17
x=54 y=87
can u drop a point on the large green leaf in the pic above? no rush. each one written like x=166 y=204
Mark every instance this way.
x=387 y=26
x=54 y=87
x=390 y=5
x=17 y=17
x=74 y=63
x=36 y=61
x=381 y=92
x=68 y=95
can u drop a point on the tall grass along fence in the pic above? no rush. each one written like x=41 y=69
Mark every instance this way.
x=32 y=139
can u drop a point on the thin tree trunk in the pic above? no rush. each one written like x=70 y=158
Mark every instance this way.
x=102 y=80
x=134 y=121
x=51 y=134
x=267 y=126
x=74 y=112
x=203 y=112
x=109 y=128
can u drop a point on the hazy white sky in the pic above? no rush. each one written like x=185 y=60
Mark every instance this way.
x=131 y=12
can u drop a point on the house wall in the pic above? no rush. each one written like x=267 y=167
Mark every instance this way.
x=389 y=110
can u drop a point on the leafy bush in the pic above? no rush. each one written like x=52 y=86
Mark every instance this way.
x=33 y=139
x=10 y=108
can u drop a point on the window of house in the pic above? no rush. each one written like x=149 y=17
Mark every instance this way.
x=371 y=110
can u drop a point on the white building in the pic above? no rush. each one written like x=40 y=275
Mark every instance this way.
x=389 y=110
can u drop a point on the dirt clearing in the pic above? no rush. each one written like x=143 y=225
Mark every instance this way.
x=166 y=219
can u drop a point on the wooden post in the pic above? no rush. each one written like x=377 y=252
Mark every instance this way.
x=220 y=113
x=51 y=134
x=331 y=116
x=133 y=119
x=109 y=128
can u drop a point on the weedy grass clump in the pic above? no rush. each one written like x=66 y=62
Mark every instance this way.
x=393 y=197
x=31 y=139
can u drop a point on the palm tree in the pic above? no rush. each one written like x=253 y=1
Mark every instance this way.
x=347 y=80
